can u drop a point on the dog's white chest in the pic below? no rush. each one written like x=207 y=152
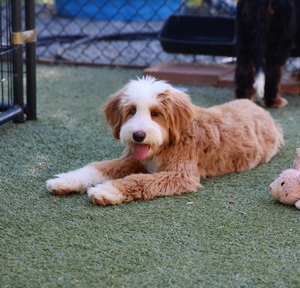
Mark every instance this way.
x=151 y=165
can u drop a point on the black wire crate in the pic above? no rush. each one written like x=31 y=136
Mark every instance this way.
x=18 y=36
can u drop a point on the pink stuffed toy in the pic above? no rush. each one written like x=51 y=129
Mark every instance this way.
x=286 y=188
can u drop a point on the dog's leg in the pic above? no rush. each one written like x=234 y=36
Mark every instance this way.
x=279 y=43
x=272 y=97
x=75 y=181
x=244 y=78
x=93 y=174
x=144 y=186
x=274 y=62
x=244 y=71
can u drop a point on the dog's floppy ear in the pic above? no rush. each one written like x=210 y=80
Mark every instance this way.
x=113 y=113
x=180 y=112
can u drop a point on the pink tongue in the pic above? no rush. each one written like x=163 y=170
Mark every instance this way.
x=140 y=151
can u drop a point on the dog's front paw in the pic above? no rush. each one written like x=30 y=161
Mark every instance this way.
x=65 y=184
x=105 y=194
x=277 y=102
x=58 y=186
x=74 y=181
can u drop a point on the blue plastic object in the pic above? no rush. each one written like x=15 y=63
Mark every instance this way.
x=121 y=10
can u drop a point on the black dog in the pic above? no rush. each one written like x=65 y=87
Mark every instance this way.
x=266 y=31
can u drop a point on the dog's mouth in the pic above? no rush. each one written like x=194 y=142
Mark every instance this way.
x=140 y=151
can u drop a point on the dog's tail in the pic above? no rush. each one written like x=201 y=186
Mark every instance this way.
x=259 y=83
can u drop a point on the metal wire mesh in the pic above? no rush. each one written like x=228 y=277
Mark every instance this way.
x=6 y=65
x=118 y=32
x=17 y=43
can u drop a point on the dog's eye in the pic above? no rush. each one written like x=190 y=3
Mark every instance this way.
x=154 y=114
x=282 y=183
x=133 y=111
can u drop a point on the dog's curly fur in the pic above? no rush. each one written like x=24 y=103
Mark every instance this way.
x=171 y=144
x=266 y=30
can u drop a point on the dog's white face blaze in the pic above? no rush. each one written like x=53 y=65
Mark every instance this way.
x=141 y=97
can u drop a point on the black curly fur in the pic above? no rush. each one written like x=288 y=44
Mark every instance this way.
x=266 y=31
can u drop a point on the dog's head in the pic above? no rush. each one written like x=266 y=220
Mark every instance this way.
x=147 y=114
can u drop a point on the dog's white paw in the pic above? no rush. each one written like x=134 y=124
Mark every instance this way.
x=105 y=194
x=75 y=181
x=59 y=186
x=259 y=85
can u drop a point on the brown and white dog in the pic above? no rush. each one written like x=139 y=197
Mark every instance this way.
x=171 y=144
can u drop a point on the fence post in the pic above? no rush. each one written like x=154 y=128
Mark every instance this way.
x=30 y=63
x=17 y=60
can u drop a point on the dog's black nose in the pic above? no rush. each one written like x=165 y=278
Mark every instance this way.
x=139 y=136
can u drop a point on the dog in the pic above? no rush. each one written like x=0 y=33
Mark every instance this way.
x=266 y=31
x=170 y=144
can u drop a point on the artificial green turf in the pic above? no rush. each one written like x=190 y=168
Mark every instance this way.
x=229 y=234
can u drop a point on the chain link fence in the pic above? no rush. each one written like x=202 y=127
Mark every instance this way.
x=116 y=32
